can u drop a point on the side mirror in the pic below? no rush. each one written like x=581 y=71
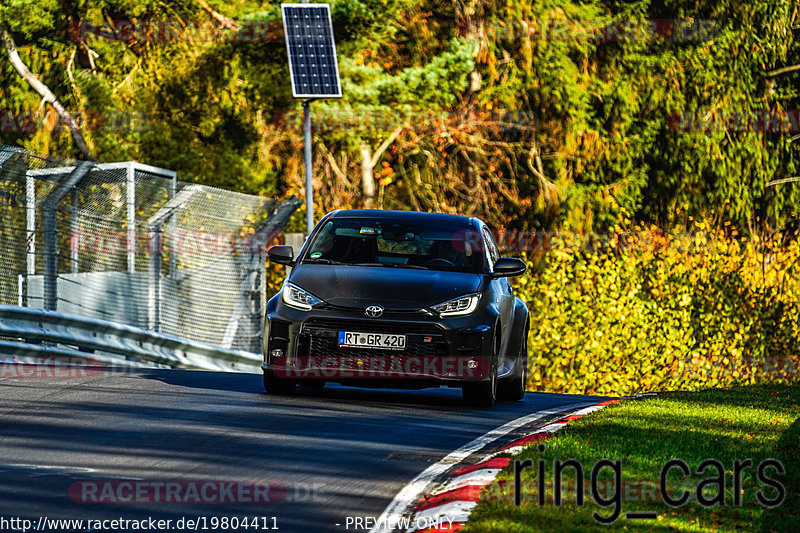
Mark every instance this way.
x=283 y=255
x=509 y=266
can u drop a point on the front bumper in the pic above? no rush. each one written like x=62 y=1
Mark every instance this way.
x=303 y=345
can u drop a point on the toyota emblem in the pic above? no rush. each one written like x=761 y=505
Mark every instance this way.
x=373 y=311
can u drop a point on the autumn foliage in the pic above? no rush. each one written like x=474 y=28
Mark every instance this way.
x=650 y=311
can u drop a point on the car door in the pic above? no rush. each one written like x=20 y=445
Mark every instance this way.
x=502 y=293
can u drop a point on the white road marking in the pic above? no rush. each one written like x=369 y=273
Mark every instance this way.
x=412 y=492
x=53 y=468
x=482 y=476
x=588 y=410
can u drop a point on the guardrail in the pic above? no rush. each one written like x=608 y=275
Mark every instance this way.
x=29 y=332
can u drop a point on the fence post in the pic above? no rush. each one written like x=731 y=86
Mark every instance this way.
x=30 y=220
x=154 y=286
x=173 y=224
x=74 y=238
x=131 y=201
x=49 y=207
x=50 y=259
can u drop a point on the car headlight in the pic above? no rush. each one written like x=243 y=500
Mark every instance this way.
x=462 y=305
x=298 y=298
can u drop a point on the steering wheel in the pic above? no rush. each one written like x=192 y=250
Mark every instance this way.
x=438 y=261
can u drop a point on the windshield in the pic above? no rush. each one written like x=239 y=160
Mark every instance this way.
x=384 y=242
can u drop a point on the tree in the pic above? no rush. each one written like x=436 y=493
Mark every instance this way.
x=46 y=94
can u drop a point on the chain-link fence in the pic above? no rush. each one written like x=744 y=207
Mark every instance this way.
x=127 y=242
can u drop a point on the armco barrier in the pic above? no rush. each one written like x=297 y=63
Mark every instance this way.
x=27 y=332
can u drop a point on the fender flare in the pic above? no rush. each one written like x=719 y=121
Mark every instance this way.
x=519 y=327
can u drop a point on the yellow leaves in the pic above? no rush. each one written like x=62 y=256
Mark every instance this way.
x=386 y=174
x=701 y=312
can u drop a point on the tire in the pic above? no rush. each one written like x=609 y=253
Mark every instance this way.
x=484 y=394
x=514 y=389
x=277 y=386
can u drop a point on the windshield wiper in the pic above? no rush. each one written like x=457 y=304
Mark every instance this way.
x=394 y=265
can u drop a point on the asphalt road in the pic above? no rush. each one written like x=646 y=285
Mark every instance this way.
x=340 y=452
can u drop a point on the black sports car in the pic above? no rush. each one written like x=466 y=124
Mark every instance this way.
x=398 y=299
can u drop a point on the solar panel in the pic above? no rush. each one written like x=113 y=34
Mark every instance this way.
x=312 y=51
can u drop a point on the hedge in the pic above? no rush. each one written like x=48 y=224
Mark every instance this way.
x=643 y=311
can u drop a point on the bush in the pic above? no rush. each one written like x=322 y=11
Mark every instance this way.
x=644 y=311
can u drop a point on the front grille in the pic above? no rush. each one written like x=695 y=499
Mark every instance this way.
x=328 y=346
x=387 y=312
x=375 y=326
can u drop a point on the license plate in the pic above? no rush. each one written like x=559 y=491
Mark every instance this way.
x=353 y=339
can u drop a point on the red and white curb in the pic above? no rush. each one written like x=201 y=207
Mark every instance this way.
x=447 y=507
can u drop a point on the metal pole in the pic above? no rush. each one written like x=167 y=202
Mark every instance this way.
x=131 y=201
x=309 y=182
x=50 y=259
x=154 y=279
x=49 y=207
x=173 y=225
x=30 y=200
x=74 y=238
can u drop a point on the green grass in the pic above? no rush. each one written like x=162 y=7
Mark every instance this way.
x=756 y=422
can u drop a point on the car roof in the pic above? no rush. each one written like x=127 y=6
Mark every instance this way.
x=404 y=216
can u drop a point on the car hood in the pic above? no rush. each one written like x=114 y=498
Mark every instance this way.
x=393 y=288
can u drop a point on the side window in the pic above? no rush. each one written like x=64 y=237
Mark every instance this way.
x=491 y=247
